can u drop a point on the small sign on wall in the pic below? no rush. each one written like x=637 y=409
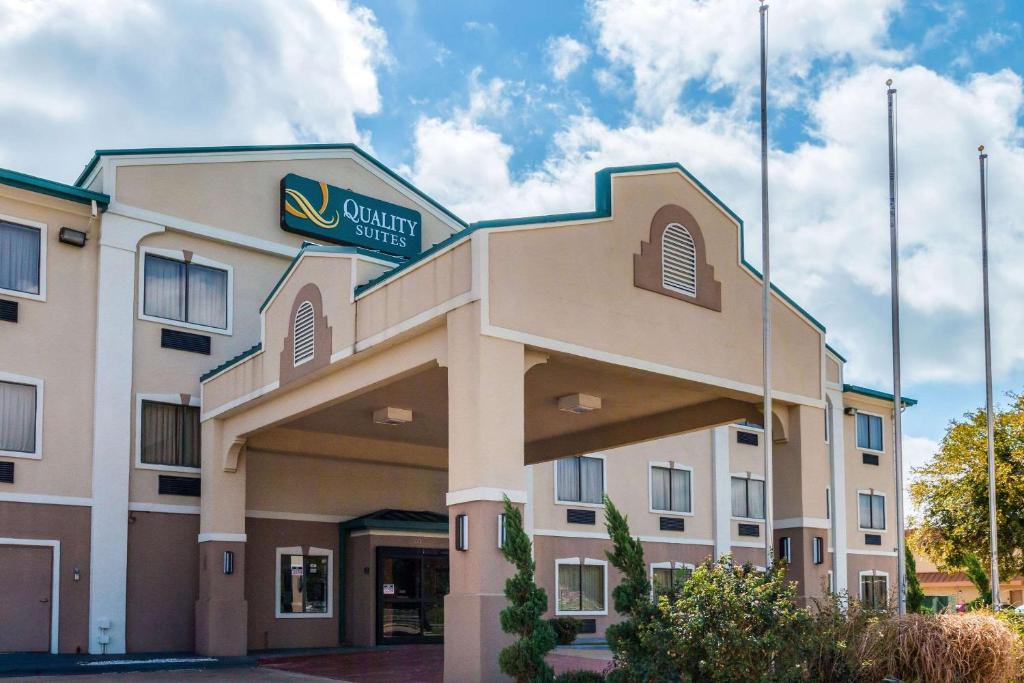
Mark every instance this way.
x=389 y=589
x=296 y=571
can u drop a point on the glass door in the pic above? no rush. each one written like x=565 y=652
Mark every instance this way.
x=411 y=585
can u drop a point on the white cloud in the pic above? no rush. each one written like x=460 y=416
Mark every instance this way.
x=80 y=75
x=566 y=55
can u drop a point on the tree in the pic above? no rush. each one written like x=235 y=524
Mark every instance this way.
x=952 y=492
x=523 y=660
x=979 y=577
x=915 y=596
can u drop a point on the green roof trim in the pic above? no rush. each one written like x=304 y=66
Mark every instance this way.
x=150 y=151
x=835 y=353
x=875 y=393
x=33 y=183
x=252 y=350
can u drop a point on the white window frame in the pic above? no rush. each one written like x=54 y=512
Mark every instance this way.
x=179 y=255
x=172 y=399
x=871 y=572
x=786 y=553
x=42 y=228
x=821 y=550
x=297 y=550
x=37 y=454
x=885 y=520
x=830 y=587
x=879 y=416
x=666 y=565
x=650 y=488
x=576 y=562
x=604 y=481
x=747 y=475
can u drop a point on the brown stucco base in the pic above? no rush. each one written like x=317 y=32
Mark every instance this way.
x=221 y=610
x=69 y=525
x=753 y=556
x=856 y=564
x=812 y=579
x=163 y=582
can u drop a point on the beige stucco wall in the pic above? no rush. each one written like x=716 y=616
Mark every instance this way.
x=860 y=477
x=55 y=341
x=574 y=283
x=833 y=371
x=745 y=459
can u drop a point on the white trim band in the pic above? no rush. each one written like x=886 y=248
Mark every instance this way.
x=484 y=493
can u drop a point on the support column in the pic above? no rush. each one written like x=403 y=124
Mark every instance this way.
x=722 y=487
x=111 y=443
x=485 y=461
x=837 y=456
x=221 y=610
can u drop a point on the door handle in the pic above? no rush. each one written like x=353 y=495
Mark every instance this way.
x=44 y=599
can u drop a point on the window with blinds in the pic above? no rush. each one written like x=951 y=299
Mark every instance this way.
x=17 y=417
x=185 y=292
x=580 y=479
x=871 y=511
x=678 y=260
x=304 y=333
x=170 y=435
x=670 y=489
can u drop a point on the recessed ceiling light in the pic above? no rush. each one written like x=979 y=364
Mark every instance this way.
x=579 y=403
x=392 y=416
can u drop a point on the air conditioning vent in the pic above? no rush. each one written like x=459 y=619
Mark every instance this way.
x=180 y=486
x=872 y=539
x=580 y=516
x=185 y=341
x=8 y=311
x=870 y=458
x=7 y=472
x=749 y=530
x=672 y=524
x=587 y=626
x=746 y=438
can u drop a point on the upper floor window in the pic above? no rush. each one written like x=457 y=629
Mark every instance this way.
x=871 y=510
x=747 y=498
x=185 y=291
x=169 y=435
x=18 y=418
x=869 y=431
x=21 y=263
x=670 y=489
x=580 y=479
x=678 y=260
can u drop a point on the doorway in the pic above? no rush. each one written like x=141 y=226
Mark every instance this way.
x=411 y=584
x=26 y=572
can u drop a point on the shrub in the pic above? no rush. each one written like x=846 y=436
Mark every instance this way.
x=580 y=677
x=834 y=639
x=1013 y=620
x=523 y=660
x=566 y=629
x=945 y=648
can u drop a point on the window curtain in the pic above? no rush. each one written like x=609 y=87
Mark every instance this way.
x=662 y=581
x=568 y=479
x=165 y=288
x=170 y=434
x=592 y=579
x=19 y=258
x=739 y=497
x=17 y=417
x=660 y=488
x=875 y=432
x=568 y=587
x=755 y=489
x=592 y=480
x=207 y=296
x=864 y=510
x=680 y=490
x=877 y=512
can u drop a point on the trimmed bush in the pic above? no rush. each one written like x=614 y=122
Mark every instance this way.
x=566 y=629
x=833 y=644
x=580 y=677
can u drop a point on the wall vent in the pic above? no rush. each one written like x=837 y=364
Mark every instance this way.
x=304 y=334
x=672 y=524
x=872 y=539
x=180 y=486
x=185 y=341
x=870 y=458
x=7 y=472
x=749 y=530
x=587 y=626
x=580 y=516
x=746 y=438
x=678 y=260
x=8 y=310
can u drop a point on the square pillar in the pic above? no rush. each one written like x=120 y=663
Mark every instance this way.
x=485 y=462
x=221 y=610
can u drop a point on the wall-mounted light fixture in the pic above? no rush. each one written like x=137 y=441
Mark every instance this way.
x=229 y=561
x=850 y=410
x=502 y=533
x=392 y=416
x=579 y=403
x=462 y=532
x=75 y=238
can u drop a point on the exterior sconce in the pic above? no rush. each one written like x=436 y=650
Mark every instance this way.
x=462 y=532
x=229 y=561
x=579 y=403
x=392 y=416
x=501 y=531
x=75 y=238
x=849 y=411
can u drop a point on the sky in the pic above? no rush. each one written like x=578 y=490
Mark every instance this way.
x=501 y=109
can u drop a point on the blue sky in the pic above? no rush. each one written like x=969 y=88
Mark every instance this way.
x=502 y=108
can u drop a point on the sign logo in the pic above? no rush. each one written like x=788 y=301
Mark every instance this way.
x=316 y=209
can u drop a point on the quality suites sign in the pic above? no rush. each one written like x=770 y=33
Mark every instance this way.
x=316 y=209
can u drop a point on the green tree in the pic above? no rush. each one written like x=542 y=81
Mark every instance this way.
x=523 y=660
x=979 y=577
x=915 y=596
x=951 y=491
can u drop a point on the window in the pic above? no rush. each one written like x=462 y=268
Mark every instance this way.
x=669 y=577
x=869 y=431
x=580 y=479
x=189 y=292
x=874 y=589
x=581 y=586
x=747 y=498
x=818 y=550
x=678 y=260
x=786 y=549
x=304 y=583
x=169 y=435
x=19 y=424
x=830 y=585
x=21 y=258
x=871 y=510
x=303 y=334
x=670 y=489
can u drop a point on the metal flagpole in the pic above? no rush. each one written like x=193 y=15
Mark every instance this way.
x=897 y=412
x=766 y=300
x=993 y=540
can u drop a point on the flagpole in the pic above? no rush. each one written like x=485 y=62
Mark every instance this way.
x=897 y=412
x=766 y=321
x=993 y=538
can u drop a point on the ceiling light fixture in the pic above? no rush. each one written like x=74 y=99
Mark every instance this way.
x=579 y=403
x=392 y=416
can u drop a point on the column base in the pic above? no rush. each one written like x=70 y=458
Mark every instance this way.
x=473 y=637
x=221 y=611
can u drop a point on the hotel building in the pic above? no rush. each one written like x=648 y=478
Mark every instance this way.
x=272 y=397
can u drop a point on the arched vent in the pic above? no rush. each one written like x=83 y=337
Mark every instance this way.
x=678 y=260
x=304 y=334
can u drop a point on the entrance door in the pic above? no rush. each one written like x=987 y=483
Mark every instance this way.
x=411 y=585
x=26 y=573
